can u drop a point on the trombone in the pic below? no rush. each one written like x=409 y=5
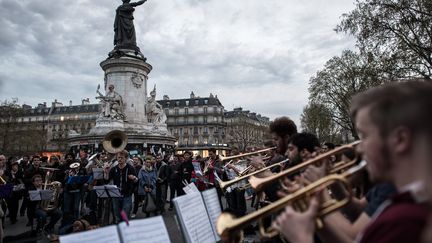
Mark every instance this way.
x=225 y=184
x=230 y=228
x=259 y=183
x=246 y=154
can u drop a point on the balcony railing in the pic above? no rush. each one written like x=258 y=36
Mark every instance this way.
x=185 y=123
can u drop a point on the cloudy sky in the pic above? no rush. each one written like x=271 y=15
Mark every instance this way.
x=251 y=53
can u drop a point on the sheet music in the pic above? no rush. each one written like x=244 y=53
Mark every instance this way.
x=197 y=169
x=113 y=190
x=101 y=235
x=37 y=195
x=193 y=218
x=211 y=200
x=97 y=173
x=151 y=230
x=190 y=188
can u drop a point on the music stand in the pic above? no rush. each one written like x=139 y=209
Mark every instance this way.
x=38 y=195
x=6 y=190
x=107 y=191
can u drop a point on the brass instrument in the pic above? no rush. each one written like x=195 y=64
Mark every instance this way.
x=115 y=141
x=230 y=228
x=246 y=154
x=55 y=186
x=340 y=167
x=259 y=183
x=224 y=184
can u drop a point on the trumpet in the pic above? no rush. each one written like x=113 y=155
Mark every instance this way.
x=247 y=154
x=230 y=228
x=225 y=184
x=339 y=167
x=259 y=183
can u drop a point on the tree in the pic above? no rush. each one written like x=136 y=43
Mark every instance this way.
x=341 y=78
x=17 y=137
x=9 y=112
x=395 y=33
x=317 y=119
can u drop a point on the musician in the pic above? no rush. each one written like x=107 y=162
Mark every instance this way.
x=124 y=177
x=236 y=195
x=396 y=142
x=213 y=165
x=33 y=169
x=15 y=176
x=34 y=210
x=301 y=147
x=24 y=163
x=73 y=191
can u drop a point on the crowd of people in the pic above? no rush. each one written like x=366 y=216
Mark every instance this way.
x=391 y=202
x=143 y=182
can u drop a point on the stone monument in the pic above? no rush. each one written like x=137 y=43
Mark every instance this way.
x=124 y=103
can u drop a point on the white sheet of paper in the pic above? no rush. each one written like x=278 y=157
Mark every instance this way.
x=211 y=200
x=193 y=218
x=97 y=173
x=190 y=188
x=151 y=230
x=101 y=235
x=35 y=195
x=102 y=192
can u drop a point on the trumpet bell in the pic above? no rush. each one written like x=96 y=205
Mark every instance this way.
x=115 y=141
x=74 y=165
x=222 y=225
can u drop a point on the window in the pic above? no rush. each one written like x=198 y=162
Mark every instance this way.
x=206 y=101
x=195 y=130
x=186 y=111
x=177 y=103
x=181 y=131
x=214 y=109
x=187 y=102
x=167 y=112
x=205 y=130
x=196 y=102
x=196 y=110
x=205 y=119
x=196 y=120
x=205 y=110
x=176 y=111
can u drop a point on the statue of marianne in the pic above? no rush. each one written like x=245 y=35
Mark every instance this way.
x=124 y=30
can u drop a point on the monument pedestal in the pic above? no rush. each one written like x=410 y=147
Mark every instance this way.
x=129 y=77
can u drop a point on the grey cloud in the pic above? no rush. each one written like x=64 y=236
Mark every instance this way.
x=52 y=49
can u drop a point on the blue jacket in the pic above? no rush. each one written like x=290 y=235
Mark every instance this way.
x=148 y=179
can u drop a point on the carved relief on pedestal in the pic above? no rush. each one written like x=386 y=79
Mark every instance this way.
x=137 y=80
